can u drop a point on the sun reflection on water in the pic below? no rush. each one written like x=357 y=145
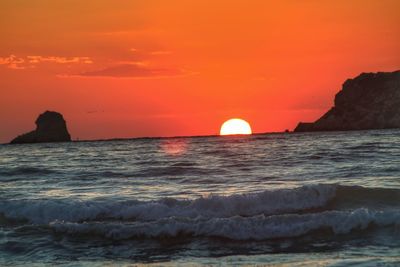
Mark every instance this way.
x=174 y=147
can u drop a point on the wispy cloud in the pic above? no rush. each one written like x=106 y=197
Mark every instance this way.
x=136 y=63
x=153 y=53
x=14 y=62
x=139 y=68
x=133 y=71
x=59 y=60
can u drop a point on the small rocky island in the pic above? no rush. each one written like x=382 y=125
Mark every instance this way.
x=369 y=101
x=50 y=127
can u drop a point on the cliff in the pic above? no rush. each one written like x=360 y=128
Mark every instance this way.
x=50 y=127
x=369 y=101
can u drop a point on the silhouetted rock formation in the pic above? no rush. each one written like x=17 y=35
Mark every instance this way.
x=50 y=127
x=369 y=101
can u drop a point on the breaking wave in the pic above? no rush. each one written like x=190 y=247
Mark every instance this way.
x=305 y=199
x=267 y=203
x=258 y=227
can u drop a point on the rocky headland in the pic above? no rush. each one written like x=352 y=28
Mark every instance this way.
x=50 y=127
x=369 y=101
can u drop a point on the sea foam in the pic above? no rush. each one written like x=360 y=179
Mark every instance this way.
x=269 y=202
x=258 y=227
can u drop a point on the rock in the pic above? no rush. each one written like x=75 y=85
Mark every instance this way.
x=304 y=127
x=50 y=127
x=369 y=101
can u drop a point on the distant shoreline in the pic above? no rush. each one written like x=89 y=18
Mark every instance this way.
x=151 y=137
x=202 y=136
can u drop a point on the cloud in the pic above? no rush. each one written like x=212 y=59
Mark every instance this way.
x=133 y=71
x=59 y=60
x=140 y=69
x=137 y=63
x=153 y=53
x=14 y=62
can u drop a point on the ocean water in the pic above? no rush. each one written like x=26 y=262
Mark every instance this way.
x=309 y=199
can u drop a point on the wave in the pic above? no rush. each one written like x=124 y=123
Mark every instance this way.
x=305 y=199
x=267 y=202
x=259 y=227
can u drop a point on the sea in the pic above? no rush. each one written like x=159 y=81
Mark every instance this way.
x=284 y=199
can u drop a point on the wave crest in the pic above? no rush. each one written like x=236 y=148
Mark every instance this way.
x=268 y=203
x=259 y=227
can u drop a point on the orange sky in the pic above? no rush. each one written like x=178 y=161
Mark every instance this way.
x=183 y=67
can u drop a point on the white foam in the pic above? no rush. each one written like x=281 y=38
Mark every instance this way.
x=267 y=203
x=258 y=227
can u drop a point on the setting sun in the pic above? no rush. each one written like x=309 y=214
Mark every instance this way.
x=235 y=126
x=133 y=93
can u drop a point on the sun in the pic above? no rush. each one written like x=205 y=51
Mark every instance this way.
x=235 y=126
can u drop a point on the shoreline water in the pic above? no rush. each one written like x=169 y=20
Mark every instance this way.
x=205 y=136
x=331 y=198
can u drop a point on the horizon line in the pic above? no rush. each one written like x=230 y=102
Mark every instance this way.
x=152 y=137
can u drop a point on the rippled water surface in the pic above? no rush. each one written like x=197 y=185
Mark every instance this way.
x=318 y=198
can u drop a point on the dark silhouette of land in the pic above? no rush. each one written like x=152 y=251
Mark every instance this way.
x=369 y=101
x=50 y=127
